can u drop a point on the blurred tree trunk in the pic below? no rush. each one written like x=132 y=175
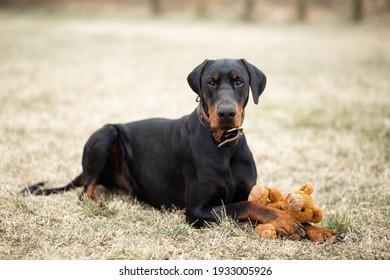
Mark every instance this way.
x=249 y=6
x=156 y=7
x=357 y=10
x=202 y=7
x=302 y=10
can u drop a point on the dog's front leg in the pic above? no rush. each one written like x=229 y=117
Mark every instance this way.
x=286 y=225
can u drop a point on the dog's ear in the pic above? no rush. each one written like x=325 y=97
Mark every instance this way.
x=257 y=80
x=194 y=78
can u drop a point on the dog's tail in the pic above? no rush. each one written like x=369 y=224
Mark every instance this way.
x=37 y=190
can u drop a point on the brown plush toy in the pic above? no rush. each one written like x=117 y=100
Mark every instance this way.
x=301 y=205
x=298 y=204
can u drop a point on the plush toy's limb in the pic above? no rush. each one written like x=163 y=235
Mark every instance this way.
x=266 y=231
x=321 y=235
x=259 y=194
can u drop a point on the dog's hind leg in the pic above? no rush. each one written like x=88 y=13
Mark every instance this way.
x=98 y=151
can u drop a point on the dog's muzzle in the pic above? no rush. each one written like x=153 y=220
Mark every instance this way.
x=226 y=139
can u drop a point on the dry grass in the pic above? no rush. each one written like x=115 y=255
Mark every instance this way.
x=324 y=118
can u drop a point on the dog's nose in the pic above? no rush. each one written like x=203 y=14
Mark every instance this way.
x=226 y=112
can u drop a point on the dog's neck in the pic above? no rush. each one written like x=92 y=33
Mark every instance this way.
x=226 y=139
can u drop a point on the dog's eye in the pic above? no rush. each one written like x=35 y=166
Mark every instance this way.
x=303 y=209
x=212 y=83
x=238 y=83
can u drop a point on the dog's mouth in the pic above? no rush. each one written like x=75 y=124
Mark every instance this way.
x=226 y=136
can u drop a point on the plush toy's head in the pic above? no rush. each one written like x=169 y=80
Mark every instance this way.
x=301 y=205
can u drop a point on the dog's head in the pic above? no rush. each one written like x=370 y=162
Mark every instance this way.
x=223 y=88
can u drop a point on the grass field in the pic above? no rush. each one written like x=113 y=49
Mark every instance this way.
x=324 y=118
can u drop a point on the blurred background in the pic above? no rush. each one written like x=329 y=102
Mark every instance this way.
x=96 y=61
x=248 y=10
x=69 y=67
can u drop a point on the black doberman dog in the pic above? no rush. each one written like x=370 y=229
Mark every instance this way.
x=200 y=162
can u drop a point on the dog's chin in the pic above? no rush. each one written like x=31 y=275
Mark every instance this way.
x=222 y=127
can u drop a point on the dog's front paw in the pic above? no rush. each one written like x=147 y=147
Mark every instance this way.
x=321 y=235
x=287 y=226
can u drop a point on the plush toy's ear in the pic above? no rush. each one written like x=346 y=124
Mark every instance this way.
x=317 y=215
x=307 y=189
x=257 y=80
x=194 y=78
x=274 y=195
